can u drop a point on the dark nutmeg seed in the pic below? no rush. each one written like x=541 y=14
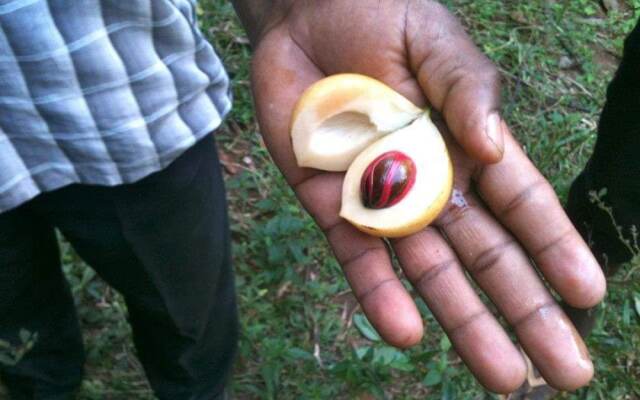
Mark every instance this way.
x=387 y=180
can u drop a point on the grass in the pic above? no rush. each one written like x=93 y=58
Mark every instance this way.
x=303 y=335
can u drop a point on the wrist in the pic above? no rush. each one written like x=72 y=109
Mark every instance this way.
x=259 y=16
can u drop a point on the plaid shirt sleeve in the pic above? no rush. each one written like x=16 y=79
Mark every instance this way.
x=101 y=91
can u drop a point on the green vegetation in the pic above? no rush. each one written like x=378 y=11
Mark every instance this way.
x=11 y=354
x=303 y=335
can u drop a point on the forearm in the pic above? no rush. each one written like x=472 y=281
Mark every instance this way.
x=258 y=16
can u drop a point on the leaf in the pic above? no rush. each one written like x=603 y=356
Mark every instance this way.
x=626 y=313
x=297 y=250
x=445 y=344
x=433 y=378
x=395 y=358
x=602 y=192
x=443 y=362
x=403 y=367
x=387 y=354
x=25 y=336
x=377 y=392
x=365 y=353
x=636 y=302
x=365 y=328
x=426 y=356
x=266 y=205
x=300 y=354
x=276 y=254
x=271 y=376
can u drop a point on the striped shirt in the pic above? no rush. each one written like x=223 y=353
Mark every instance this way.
x=101 y=91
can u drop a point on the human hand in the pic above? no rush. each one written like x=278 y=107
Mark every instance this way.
x=501 y=215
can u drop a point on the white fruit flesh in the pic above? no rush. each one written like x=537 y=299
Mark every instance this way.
x=421 y=141
x=341 y=115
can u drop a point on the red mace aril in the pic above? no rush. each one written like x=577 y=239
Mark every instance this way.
x=387 y=180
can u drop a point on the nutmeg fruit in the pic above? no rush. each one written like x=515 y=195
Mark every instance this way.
x=398 y=171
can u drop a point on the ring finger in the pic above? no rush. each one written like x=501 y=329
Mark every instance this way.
x=502 y=269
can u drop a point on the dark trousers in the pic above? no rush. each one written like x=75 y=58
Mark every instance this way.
x=162 y=242
x=614 y=166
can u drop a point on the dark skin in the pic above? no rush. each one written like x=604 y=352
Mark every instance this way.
x=506 y=213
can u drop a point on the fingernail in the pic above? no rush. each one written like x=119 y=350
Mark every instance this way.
x=494 y=132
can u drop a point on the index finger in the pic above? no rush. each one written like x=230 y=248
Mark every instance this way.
x=366 y=264
x=523 y=200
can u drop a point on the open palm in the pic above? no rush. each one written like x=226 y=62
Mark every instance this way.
x=503 y=213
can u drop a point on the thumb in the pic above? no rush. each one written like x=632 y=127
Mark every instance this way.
x=457 y=79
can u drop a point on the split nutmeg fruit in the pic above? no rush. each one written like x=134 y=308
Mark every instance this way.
x=399 y=175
